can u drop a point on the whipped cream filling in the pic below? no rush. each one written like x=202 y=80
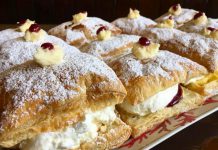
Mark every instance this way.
x=71 y=137
x=152 y=104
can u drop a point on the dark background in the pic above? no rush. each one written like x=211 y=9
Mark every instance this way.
x=57 y=11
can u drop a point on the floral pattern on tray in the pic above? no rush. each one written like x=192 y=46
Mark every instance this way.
x=171 y=126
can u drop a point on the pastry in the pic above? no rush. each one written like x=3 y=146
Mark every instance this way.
x=110 y=48
x=202 y=25
x=81 y=29
x=153 y=84
x=61 y=99
x=195 y=47
x=180 y=15
x=17 y=51
x=134 y=23
x=9 y=34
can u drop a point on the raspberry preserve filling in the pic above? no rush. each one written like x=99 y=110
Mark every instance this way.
x=177 y=97
x=47 y=46
x=34 y=28
x=197 y=15
x=144 y=41
x=101 y=29
x=21 y=22
x=211 y=28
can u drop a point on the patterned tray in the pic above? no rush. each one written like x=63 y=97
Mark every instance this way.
x=170 y=127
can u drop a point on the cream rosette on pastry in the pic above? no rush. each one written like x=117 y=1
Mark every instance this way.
x=82 y=29
x=175 y=10
x=49 y=54
x=144 y=48
x=134 y=23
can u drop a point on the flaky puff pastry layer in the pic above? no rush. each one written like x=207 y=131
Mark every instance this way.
x=185 y=16
x=112 y=137
x=83 y=32
x=193 y=46
x=141 y=124
x=144 y=78
x=36 y=99
x=206 y=85
x=111 y=48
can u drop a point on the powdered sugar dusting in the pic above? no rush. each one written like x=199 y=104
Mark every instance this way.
x=65 y=32
x=192 y=45
x=205 y=48
x=54 y=83
x=9 y=34
x=73 y=35
x=91 y=24
x=60 y=30
x=133 y=26
x=190 y=27
x=185 y=16
x=99 y=48
x=161 y=34
x=18 y=51
x=160 y=66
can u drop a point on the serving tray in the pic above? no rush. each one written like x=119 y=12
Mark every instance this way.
x=170 y=127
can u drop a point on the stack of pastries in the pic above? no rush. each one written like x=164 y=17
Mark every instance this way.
x=91 y=84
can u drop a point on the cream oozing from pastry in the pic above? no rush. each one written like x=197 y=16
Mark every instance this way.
x=104 y=35
x=168 y=23
x=34 y=36
x=175 y=10
x=133 y=14
x=71 y=137
x=152 y=104
x=77 y=18
x=47 y=57
x=25 y=26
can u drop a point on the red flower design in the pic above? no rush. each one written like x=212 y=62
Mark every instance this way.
x=184 y=118
x=159 y=128
x=138 y=139
x=210 y=101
